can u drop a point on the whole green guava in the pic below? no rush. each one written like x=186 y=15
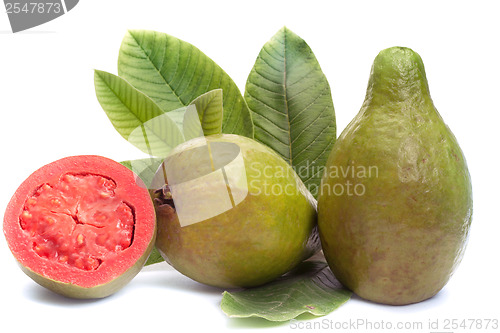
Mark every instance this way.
x=232 y=213
x=395 y=206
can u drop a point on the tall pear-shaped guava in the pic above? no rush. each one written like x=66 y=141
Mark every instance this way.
x=396 y=200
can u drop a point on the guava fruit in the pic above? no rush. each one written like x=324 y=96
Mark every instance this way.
x=232 y=213
x=395 y=206
x=81 y=226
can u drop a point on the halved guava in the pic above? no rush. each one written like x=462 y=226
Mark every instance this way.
x=82 y=226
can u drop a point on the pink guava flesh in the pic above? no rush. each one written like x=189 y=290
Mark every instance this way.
x=78 y=221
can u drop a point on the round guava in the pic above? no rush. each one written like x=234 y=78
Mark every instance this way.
x=81 y=226
x=232 y=213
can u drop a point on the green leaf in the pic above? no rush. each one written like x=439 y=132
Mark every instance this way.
x=173 y=73
x=203 y=116
x=144 y=168
x=178 y=116
x=292 y=107
x=154 y=258
x=210 y=111
x=310 y=288
x=135 y=116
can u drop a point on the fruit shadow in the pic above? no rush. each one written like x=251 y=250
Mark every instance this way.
x=256 y=322
x=166 y=276
x=252 y=322
x=436 y=301
x=40 y=294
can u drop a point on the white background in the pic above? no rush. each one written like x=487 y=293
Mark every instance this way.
x=49 y=110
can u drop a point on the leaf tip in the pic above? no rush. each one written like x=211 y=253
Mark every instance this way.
x=131 y=32
x=286 y=30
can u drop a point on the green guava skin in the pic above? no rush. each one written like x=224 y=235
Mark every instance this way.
x=398 y=239
x=258 y=240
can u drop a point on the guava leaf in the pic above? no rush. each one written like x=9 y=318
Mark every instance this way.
x=136 y=116
x=210 y=111
x=154 y=258
x=173 y=73
x=310 y=288
x=203 y=116
x=291 y=105
x=177 y=116
x=145 y=168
